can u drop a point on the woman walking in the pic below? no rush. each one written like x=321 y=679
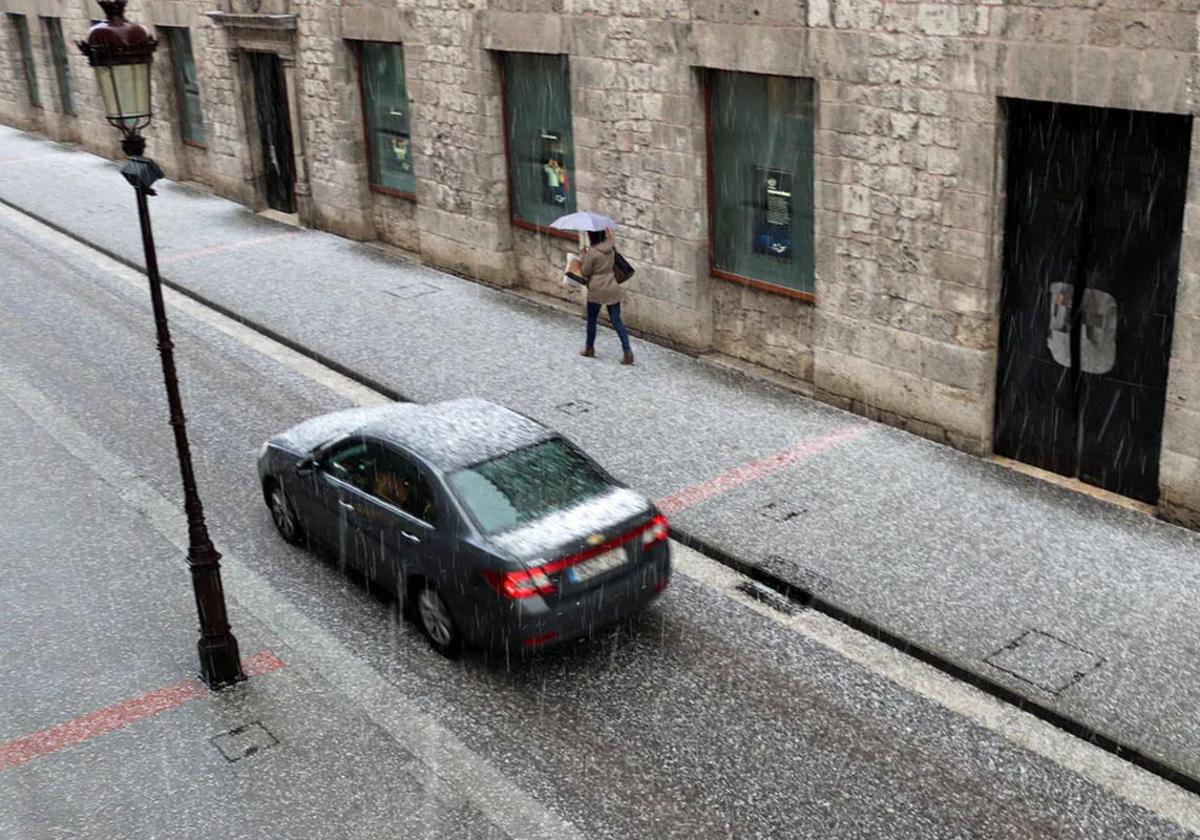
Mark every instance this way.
x=603 y=290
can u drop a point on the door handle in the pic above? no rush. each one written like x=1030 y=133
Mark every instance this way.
x=346 y=506
x=412 y=538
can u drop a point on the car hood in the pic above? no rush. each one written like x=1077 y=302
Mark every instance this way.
x=545 y=536
x=304 y=437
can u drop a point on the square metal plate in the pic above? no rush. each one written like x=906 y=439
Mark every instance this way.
x=576 y=407
x=779 y=511
x=244 y=741
x=416 y=290
x=1046 y=661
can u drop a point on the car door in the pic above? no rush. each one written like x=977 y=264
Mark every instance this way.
x=371 y=499
x=344 y=468
x=411 y=529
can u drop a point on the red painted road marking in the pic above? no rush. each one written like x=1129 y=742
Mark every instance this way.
x=120 y=715
x=761 y=468
x=232 y=246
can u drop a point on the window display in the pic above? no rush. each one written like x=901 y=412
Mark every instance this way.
x=387 y=117
x=537 y=113
x=761 y=164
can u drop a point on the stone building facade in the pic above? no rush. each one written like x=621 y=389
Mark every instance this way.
x=913 y=228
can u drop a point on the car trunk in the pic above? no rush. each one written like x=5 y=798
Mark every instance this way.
x=606 y=554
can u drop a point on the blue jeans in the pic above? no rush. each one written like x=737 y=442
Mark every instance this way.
x=614 y=315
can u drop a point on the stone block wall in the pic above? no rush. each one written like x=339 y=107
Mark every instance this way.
x=908 y=172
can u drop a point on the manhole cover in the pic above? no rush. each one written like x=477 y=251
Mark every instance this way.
x=1046 y=661
x=244 y=741
x=780 y=511
x=416 y=290
x=576 y=407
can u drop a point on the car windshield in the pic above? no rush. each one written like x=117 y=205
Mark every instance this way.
x=526 y=485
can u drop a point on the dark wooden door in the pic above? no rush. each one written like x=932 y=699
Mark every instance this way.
x=1095 y=211
x=275 y=128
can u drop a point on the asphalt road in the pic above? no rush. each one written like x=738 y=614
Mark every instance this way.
x=704 y=719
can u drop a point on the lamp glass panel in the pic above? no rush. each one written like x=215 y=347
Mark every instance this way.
x=126 y=91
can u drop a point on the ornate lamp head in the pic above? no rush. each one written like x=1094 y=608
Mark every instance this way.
x=121 y=53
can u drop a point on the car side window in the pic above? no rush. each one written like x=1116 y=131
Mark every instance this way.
x=354 y=462
x=399 y=482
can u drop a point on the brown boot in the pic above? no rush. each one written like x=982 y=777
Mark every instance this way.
x=628 y=358
x=587 y=352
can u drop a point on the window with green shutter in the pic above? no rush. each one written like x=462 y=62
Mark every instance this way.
x=62 y=68
x=541 y=150
x=187 y=85
x=761 y=179
x=386 y=118
x=31 y=82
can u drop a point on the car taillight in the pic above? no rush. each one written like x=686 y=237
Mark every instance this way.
x=520 y=583
x=525 y=583
x=655 y=531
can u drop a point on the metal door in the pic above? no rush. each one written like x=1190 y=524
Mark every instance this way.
x=1095 y=210
x=275 y=129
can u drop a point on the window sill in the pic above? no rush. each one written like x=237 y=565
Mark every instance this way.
x=407 y=196
x=763 y=286
x=570 y=236
x=194 y=144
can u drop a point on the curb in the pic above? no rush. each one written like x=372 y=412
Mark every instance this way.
x=794 y=593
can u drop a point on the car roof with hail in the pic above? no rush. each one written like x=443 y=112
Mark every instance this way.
x=457 y=433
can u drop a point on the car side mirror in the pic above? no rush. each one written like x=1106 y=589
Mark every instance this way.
x=307 y=466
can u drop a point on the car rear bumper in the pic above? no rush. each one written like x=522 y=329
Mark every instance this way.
x=533 y=625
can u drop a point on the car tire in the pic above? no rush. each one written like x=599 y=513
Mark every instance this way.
x=436 y=621
x=284 y=515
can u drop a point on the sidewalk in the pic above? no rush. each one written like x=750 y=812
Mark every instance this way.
x=104 y=723
x=1084 y=609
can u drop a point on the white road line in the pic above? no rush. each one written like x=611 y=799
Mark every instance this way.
x=1104 y=769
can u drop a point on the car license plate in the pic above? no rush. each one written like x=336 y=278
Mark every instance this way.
x=606 y=562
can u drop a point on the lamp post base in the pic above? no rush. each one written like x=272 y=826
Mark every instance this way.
x=220 y=663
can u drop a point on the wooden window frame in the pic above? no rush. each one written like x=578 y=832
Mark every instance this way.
x=721 y=274
x=52 y=26
x=181 y=108
x=356 y=47
x=513 y=220
x=33 y=88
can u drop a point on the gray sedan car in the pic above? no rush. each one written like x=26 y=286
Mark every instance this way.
x=489 y=527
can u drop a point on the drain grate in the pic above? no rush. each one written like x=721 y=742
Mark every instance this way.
x=575 y=407
x=244 y=741
x=1046 y=661
x=780 y=511
x=767 y=595
x=797 y=575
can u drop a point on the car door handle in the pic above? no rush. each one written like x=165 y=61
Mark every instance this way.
x=412 y=538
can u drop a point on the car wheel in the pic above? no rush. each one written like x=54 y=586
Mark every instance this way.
x=436 y=621
x=284 y=517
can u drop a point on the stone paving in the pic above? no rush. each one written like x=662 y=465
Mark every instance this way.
x=1081 y=607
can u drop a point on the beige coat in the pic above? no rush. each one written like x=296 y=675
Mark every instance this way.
x=597 y=267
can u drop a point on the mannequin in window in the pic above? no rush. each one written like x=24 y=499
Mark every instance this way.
x=773 y=234
x=556 y=180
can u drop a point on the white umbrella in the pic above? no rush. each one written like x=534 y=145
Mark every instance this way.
x=584 y=221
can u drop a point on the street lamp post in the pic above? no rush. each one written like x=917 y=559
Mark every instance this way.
x=121 y=52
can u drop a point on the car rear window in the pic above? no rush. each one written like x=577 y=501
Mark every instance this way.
x=526 y=485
